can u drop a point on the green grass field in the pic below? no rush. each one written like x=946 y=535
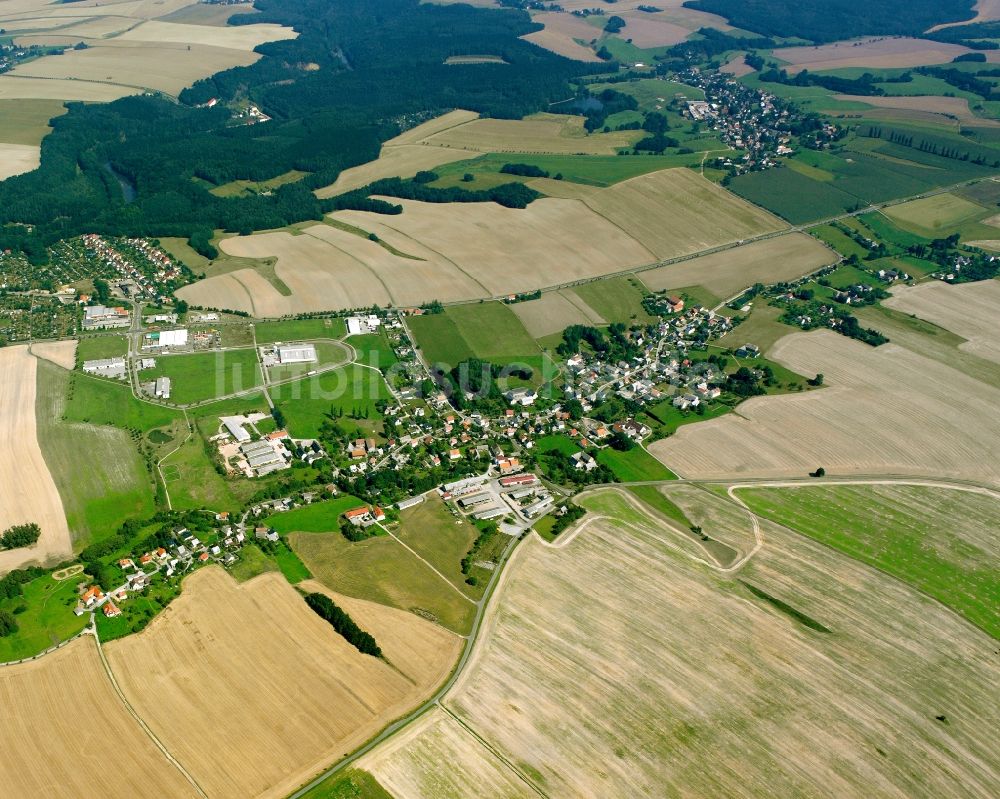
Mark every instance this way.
x=792 y=195
x=442 y=540
x=114 y=487
x=839 y=240
x=307 y=403
x=373 y=349
x=487 y=330
x=27 y=121
x=636 y=465
x=760 y=327
x=299 y=330
x=46 y=620
x=617 y=299
x=205 y=376
x=556 y=443
x=252 y=562
x=92 y=348
x=318 y=517
x=652 y=92
x=935 y=539
x=936 y=216
x=590 y=170
x=383 y=570
x=350 y=784
x=657 y=500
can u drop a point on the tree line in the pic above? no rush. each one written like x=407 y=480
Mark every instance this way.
x=326 y=609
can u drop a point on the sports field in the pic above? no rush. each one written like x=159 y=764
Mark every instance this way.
x=215 y=672
x=59 y=712
x=968 y=310
x=935 y=539
x=736 y=690
x=30 y=493
x=727 y=273
x=204 y=376
x=885 y=410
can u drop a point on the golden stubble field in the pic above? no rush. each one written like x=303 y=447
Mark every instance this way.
x=466 y=251
x=620 y=666
x=254 y=693
x=29 y=493
x=884 y=52
x=65 y=732
x=727 y=273
x=553 y=312
x=129 y=48
x=884 y=410
x=970 y=310
x=957 y=107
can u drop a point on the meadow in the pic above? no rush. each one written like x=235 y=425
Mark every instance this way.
x=382 y=570
x=205 y=376
x=934 y=217
x=317 y=517
x=44 y=615
x=299 y=330
x=616 y=299
x=934 y=539
x=635 y=465
x=352 y=392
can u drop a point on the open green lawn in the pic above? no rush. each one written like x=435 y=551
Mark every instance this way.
x=318 y=517
x=656 y=499
x=205 y=376
x=590 y=170
x=252 y=562
x=555 y=442
x=487 y=330
x=937 y=540
x=353 y=390
x=760 y=327
x=839 y=240
x=299 y=330
x=617 y=299
x=652 y=92
x=442 y=540
x=350 y=784
x=47 y=617
x=936 y=216
x=102 y=402
x=636 y=465
x=92 y=348
x=114 y=486
x=190 y=475
x=383 y=570
x=373 y=349
x=27 y=121
x=665 y=419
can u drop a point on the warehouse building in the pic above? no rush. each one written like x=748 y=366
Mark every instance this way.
x=296 y=353
x=161 y=389
x=106 y=367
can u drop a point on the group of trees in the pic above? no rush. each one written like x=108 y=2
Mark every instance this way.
x=380 y=69
x=20 y=535
x=326 y=609
x=487 y=532
x=833 y=20
x=615 y=345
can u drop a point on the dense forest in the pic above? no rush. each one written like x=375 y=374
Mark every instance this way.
x=833 y=20
x=358 y=74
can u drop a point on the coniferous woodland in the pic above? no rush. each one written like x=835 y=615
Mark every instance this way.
x=358 y=73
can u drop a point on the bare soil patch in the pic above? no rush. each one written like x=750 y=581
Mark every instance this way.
x=881 y=53
x=255 y=693
x=61 y=353
x=884 y=410
x=60 y=715
x=29 y=492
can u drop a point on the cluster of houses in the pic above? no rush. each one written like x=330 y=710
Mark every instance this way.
x=747 y=119
x=146 y=272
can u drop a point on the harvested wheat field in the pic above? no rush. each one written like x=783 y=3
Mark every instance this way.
x=29 y=492
x=956 y=107
x=508 y=250
x=884 y=410
x=986 y=11
x=646 y=30
x=255 y=693
x=737 y=66
x=235 y=37
x=676 y=211
x=539 y=133
x=691 y=685
x=729 y=272
x=432 y=126
x=12 y=88
x=970 y=310
x=16 y=159
x=877 y=53
x=61 y=353
x=553 y=312
x=562 y=35
x=436 y=757
x=61 y=717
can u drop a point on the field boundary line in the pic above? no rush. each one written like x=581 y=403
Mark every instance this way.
x=493 y=751
x=428 y=565
x=145 y=727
